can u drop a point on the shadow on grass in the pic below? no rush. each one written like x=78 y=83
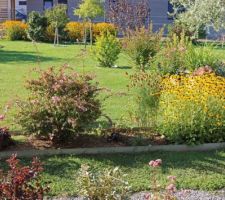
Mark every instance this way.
x=124 y=67
x=22 y=56
x=200 y=161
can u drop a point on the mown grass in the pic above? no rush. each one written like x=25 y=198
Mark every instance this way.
x=18 y=58
x=205 y=171
x=194 y=170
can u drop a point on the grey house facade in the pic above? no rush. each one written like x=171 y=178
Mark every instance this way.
x=19 y=9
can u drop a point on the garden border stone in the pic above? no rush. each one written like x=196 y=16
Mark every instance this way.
x=113 y=150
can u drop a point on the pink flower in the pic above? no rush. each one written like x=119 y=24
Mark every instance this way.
x=147 y=196
x=151 y=163
x=2 y=117
x=61 y=81
x=159 y=161
x=56 y=87
x=171 y=188
x=155 y=163
x=55 y=99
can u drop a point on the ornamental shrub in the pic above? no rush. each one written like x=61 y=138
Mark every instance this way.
x=106 y=185
x=22 y=182
x=142 y=45
x=37 y=25
x=103 y=28
x=179 y=55
x=15 y=30
x=75 y=31
x=192 y=109
x=49 y=33
x=107 y=50
x=62 y=103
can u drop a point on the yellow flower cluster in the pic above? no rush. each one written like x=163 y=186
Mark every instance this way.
x=193 y=103
x=10 y=24
x=75 y=30
x=15 y=30
x=195 y=88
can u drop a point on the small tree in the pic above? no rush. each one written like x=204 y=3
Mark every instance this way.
x=88 y=10
x=201 y=13
x=57 y=17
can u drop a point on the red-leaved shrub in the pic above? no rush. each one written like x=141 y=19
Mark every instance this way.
x=62 y=103
x=22 y=182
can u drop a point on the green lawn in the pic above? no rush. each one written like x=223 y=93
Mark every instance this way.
x=18 y=58
x=205 y=171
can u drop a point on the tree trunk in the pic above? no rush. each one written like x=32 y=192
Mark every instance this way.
x=85 y=35
x=91 y=34
x=56 y=37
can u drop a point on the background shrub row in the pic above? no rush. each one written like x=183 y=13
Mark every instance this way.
x=39 y=30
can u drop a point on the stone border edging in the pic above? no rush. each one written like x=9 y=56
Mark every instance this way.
x=114 y=150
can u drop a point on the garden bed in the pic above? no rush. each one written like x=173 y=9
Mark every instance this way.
x=121 y=137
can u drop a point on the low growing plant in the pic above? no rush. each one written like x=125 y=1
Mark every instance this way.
x=107 y=50
x=22 y=182
x=106 y=185
x=158 y=192
x=62 y=103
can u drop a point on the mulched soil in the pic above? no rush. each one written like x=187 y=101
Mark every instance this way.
x=108 y=138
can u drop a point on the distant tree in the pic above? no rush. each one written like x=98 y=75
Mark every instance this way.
x=88 y=10
x=127 y=14
x=200 y=13
x=57 y=17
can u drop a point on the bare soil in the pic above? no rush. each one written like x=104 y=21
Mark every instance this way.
x=108 y=138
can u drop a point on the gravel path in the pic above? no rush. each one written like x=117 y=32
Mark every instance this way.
x=181 y=195
x=189 y=195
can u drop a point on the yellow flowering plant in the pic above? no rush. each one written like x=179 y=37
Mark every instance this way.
x=192 y=108
x=15 y=30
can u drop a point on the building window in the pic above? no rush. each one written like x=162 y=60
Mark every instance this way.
x=22 y=3
x=48 y=4
x=62 y=1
